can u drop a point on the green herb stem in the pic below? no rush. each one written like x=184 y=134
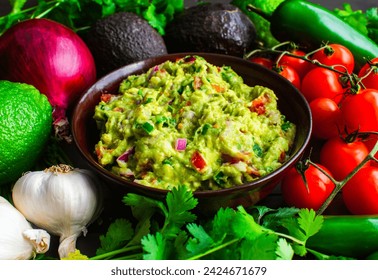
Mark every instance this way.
x=43 y=14
x=137 y=256
x=296 y=240
x=214 y=249
x=111 y=254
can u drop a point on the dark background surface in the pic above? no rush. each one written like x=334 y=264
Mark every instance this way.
x=356 y=4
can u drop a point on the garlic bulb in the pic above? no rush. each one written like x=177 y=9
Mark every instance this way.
x=18 y=240
x=62 y=200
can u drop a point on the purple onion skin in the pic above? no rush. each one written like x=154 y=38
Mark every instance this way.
x=49 y=56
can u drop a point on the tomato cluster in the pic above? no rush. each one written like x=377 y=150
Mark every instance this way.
x=344 y=105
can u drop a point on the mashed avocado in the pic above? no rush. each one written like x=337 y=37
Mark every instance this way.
x=191 y=123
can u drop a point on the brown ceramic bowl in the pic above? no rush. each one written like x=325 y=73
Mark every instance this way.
x=290 y=101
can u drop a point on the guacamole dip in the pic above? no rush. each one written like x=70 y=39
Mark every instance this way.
x=191 y=123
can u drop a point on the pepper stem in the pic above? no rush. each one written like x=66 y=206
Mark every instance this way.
x=259 y=11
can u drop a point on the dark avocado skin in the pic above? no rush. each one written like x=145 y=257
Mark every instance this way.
x=121 y=39
x=217 y=27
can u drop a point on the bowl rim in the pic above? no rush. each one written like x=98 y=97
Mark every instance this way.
x=118 y=75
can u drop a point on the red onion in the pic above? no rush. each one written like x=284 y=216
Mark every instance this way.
x=180 y=144
x=51 y=57
x=125 y=156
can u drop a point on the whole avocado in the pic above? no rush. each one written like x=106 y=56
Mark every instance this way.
x=120 y=39
x=211 y=27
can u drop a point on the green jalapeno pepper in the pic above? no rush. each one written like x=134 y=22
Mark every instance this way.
x=348 y=236
x=310 y=25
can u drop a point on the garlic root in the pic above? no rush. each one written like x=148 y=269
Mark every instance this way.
x=67 y=245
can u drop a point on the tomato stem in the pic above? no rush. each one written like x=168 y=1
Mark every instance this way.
x=355 y=82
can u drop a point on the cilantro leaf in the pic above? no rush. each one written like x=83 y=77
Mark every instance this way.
x=155 y=247
x=284 y=251
x=309 y=222
x=302 y=227
x=180 y=202
x=262 y=247
x=119 y=232
x=157 y=21
x=372 y=23
x=200 y=241
x=179 y=245
x=81 y=14
x=276 y=217
x=143 y=206
x=176 y=213
x=244 y=225
x=365 y=22
x=222 y=223
x=17 y=5
x=355 y=18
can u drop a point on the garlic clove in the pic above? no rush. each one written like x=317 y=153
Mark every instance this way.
x=39 y=238
x=14 y=245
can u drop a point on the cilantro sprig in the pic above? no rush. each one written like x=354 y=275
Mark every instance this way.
x=81 y=14
x=364 y=21
x=170 y=230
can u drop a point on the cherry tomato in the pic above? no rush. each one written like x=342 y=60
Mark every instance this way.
x=295 y=193
x=336 y=54
x=301 y=66
x=266 y=62
x=322 y=82
x=360 y=193
x=341 y=157
x=326 y=118
x=370 y=81
x=289 y=73
x=360 y=111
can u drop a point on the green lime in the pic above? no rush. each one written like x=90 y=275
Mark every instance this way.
x=25 y=126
